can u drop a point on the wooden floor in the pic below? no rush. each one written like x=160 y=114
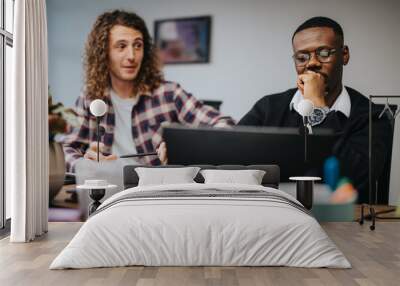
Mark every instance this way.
x=374 y=255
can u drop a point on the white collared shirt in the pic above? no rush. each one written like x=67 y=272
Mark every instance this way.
x=342 y=103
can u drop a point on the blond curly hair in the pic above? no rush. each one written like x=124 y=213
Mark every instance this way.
x=96 y=63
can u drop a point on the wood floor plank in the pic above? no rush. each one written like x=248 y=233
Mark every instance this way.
x=374 y=255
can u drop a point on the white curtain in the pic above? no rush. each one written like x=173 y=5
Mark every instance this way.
x=27 y=124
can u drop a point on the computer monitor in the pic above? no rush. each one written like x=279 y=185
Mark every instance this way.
x=248 y=146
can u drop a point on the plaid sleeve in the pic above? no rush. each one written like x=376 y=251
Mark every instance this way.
x=76 y=143
x=193 y=113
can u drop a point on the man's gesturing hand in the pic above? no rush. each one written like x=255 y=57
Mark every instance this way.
x=91 y=153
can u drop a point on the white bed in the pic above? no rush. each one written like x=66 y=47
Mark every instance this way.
x=247 y=229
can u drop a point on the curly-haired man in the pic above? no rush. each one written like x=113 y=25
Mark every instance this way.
x=122 y=69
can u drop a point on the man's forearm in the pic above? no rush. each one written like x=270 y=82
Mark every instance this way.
x=224 y=122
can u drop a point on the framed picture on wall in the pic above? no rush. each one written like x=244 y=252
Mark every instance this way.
x=183 y=40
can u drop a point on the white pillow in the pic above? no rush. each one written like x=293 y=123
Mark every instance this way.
x=248 y=177
x=164 y=176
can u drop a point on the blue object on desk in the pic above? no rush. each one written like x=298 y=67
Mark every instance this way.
x=322 y=209
x=331 y=172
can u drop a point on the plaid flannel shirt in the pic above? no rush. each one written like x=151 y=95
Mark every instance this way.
x=168 y=103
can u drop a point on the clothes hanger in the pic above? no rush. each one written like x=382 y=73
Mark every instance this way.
x=386 y=108
x=397 y=112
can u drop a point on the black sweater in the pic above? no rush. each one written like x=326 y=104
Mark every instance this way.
x=352 y=145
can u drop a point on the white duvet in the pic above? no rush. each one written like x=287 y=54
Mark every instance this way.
x=192 y=231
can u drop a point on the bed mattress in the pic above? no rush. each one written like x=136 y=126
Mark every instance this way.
x=201 y=225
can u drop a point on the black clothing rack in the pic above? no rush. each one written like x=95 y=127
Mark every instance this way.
x=373 y=215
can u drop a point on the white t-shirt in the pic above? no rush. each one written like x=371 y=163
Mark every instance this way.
x=123 y=143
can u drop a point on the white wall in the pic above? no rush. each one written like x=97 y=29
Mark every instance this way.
x=250 y=46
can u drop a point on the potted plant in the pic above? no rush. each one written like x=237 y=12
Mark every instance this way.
x=61 y=120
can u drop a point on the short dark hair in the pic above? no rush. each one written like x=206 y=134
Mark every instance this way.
x=320 y=22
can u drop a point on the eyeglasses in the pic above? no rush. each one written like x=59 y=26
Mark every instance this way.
x=324 y=55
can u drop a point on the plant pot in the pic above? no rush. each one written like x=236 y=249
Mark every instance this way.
x=56 y=169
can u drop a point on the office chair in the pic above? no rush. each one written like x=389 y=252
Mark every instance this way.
x=213 y=103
